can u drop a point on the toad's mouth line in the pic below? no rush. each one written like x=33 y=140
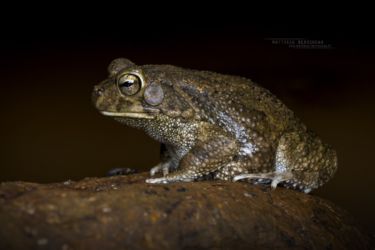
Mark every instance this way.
x=128 y=114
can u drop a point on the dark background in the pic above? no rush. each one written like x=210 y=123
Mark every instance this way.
x=51 y=132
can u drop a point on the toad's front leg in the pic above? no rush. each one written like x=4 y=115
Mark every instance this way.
x=204 y=158
x=170 y=159
x=161 y=167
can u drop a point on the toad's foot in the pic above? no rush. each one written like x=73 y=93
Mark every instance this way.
x=161 y=167
x=166 y=180
x=276 y=178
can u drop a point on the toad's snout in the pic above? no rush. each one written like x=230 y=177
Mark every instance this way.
x=97 y=95
x=98 y=90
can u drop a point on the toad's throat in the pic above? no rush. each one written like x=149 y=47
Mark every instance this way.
x=128 y=114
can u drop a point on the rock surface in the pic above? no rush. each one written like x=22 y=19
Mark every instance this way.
x=123 y=212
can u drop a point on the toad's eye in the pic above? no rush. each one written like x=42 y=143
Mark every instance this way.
x=129 y=84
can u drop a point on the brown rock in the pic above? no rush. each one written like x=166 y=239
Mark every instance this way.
x=124 y=212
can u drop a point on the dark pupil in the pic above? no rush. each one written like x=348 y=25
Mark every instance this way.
x=127 y=84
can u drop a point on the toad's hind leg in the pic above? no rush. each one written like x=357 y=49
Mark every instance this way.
x=281 y=170
x=302 y=162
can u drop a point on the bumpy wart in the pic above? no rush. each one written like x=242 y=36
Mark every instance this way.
x=225 y=127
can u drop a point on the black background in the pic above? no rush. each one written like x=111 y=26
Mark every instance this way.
x=49 y=63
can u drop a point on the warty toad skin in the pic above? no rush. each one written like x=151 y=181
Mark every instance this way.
x=215 y=125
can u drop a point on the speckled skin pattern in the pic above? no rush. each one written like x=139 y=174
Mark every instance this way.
x=210 y=124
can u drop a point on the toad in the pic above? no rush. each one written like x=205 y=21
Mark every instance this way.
x=211 y=124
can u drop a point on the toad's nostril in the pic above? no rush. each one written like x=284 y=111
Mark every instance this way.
x=98 y=90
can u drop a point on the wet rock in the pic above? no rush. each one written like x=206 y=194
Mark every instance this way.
x=123 y=212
